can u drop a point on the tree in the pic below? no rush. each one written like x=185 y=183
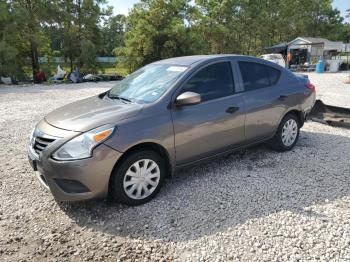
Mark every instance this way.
x=10 y=62
x=88 y=55
x=113 y=32
x=79 y=20
x=247 y=26
x=156 y=31
x=80 y=30
x=30 y=16
x=346 y=32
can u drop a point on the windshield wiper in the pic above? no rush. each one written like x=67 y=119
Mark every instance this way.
x=118 y=97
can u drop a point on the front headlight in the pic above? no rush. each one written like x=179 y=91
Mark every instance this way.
x=81 y=146
x=31 y=138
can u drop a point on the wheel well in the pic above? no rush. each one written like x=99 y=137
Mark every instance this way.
x=151 y=146
x=299 y=115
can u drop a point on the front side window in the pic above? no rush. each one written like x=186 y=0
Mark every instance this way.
x=147 y=84
x=211 y=82
x=256 y=76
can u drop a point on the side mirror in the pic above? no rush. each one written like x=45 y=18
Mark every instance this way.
x=187 y=99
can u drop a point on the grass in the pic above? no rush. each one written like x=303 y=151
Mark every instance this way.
x=115 y=70
x=103 y=68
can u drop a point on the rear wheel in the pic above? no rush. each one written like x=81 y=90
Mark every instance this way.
x=287 y=134
x=138 y=178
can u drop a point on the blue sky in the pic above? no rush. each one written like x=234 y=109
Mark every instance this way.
x=342 y=5
x=122 y=6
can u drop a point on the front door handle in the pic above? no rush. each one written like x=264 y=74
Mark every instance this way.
x=282 y=97
x=232 y=109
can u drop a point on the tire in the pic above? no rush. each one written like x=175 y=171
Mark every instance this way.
x=289 y=125
x=132 y=186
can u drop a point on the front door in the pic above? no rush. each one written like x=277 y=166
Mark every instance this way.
x=214 y=125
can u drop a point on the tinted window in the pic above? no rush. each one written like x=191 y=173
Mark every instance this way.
x=257 y=76
x=212 y=82
x=274 y=75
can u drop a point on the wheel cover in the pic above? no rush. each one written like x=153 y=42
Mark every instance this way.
x=141 y=179
x=289 y=132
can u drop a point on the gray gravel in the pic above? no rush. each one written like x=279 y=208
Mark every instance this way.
x=332 y=88
x=253 y=205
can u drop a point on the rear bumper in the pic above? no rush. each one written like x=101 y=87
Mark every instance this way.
x=308 y=105
x=79 y=179
x=306 y=112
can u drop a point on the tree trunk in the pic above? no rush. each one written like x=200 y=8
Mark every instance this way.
x=79 y=34
x=34 y=54
x=34 y=57
x=71 y=63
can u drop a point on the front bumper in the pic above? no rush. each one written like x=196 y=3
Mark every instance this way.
x=79 y=179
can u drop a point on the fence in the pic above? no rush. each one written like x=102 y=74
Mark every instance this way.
x=100 y=59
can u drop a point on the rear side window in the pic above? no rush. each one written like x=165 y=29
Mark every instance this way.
x=211 y=82
x=256 y=76
x=274 y=75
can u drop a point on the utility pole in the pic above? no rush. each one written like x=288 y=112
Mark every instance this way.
x=347 y=45
x=347 y=56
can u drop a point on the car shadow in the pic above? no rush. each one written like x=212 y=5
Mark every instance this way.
x=229 y=191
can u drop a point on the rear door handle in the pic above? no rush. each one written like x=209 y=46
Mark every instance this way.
x=282 y=97
x=232 y=109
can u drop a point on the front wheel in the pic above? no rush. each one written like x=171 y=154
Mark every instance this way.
x=138 y=178
x=287 y=134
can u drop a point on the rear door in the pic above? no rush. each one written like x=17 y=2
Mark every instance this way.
x=214 y=125
x=263 y=97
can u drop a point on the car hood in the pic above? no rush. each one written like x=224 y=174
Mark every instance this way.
x=91 y=112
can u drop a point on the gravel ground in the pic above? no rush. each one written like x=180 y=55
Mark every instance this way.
x=253 y=205
x=331 y=88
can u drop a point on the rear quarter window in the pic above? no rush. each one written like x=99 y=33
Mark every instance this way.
x=274 y=75
x=257 y=76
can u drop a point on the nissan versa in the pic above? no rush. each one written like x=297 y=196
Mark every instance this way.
x=166 y=115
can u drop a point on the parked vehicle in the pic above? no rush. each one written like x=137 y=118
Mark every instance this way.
x=275 y=58
x=166 y=115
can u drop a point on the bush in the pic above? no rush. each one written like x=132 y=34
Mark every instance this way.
x=9 y=61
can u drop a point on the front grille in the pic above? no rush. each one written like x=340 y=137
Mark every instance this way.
x=41 y=143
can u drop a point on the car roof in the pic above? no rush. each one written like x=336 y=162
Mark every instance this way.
x=190 y=60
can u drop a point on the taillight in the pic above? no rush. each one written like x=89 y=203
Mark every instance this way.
x=310 y=86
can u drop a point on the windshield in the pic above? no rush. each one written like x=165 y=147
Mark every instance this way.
x=147 y=84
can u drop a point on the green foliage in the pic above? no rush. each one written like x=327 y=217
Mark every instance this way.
x=80 y=30
x=9 y=65
x=247 y=26
x=159 y=29
x=113 y=34
x=29 y=20
x=79 y=23
x=156 y=31
x=49 y=28
x=88 y=56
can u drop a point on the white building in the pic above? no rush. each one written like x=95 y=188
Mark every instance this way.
x=310 y=49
